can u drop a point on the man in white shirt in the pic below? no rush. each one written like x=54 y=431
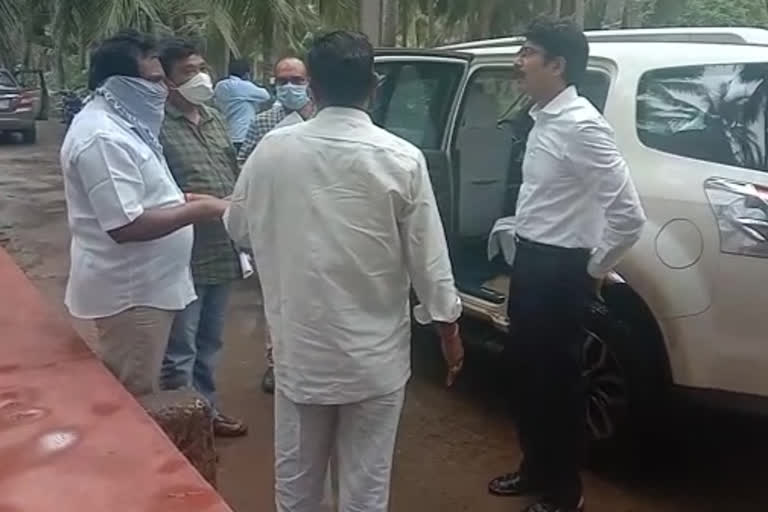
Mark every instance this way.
x=342 y=220
x=294 y=106
x=577 y=214
x=130 y=223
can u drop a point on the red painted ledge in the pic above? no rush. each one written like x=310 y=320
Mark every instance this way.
x=71 y=438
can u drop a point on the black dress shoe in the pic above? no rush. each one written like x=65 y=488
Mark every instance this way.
x=511 y=484
x=546 y=506
x=268 y=382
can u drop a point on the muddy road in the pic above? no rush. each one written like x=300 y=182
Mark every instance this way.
x=450 y=443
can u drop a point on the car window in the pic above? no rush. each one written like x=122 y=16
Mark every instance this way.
x=594 y=87
x=6 y=80
x=715 y=113
x=413 y=99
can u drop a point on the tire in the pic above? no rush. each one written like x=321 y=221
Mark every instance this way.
x=625 y=373
x=29 y=136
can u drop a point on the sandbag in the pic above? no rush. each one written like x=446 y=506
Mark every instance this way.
x=187 y=419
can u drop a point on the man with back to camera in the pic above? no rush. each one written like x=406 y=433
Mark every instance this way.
x=239 y=99
x=130 y=223
x=342 y=220
x=578 y=213
x=202 y=160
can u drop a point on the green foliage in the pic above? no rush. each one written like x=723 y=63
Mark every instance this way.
x=58 y=34
x=729 y=13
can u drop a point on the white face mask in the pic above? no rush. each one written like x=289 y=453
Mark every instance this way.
x=198 y=89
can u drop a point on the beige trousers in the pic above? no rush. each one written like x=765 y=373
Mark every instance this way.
x=132 y=346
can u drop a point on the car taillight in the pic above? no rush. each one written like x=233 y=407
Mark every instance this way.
x=762 y=192
x=25 y=103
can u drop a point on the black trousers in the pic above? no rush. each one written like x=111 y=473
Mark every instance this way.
x=549 y=294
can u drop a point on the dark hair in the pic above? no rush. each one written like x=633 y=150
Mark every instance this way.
x=175 y=49
x=562 y=38
x=239 y=68
x=341 y=66
x=119 y=56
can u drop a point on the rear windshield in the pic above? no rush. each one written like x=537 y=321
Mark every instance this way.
x=6 y=80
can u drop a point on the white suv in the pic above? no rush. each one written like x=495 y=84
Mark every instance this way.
x=687 y=310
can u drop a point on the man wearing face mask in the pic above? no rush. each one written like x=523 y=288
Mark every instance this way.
x=130 y=223
x=202 y=159
x=293 y=104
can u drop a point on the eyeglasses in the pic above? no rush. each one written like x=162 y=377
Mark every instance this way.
x=529 y=51
x=295 y=80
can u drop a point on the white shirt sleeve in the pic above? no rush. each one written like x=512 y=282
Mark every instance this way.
x=235 y=218
x=426 y=253
x=593 y=149
x=112 y=179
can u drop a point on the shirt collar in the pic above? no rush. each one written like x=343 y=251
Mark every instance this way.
x=175 y=113
x=557 y=104
x=344 y=113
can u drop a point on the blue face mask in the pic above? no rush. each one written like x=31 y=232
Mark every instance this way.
x=292 y=96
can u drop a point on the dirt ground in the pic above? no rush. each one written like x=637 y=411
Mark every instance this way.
x=451 y=442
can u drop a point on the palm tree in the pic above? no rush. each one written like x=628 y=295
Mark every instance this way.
x=11 y=27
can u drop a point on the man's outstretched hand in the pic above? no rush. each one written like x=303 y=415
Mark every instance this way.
x=210 y=207
x=453 y=350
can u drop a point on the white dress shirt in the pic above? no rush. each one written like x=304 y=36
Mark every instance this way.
x=110 y=177
x=342 y=220
x=576 y=191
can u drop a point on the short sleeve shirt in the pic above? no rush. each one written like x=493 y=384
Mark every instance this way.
x=110 y=178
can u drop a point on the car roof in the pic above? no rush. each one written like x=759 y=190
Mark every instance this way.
x=705 y=35
x=655 y=55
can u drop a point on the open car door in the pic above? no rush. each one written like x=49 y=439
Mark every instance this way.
x=416 y=99
x=32 y=82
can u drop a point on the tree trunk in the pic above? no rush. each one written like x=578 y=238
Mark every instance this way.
x=61 y=73
x=579 y=12
x=480 y=27
x=27 y=58
x=431 y=21
x=390 y=18
x=370 y=20
x=633 y=15
x=557 y=8
x=83 y=53
x=405 y=25
x=614 y=14
x=267 y=45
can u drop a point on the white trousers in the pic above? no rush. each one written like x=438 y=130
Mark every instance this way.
x=361 y=439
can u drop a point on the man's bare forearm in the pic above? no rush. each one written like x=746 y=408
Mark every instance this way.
x=159 y=222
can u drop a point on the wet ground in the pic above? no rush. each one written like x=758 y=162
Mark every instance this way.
x=451 y=442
